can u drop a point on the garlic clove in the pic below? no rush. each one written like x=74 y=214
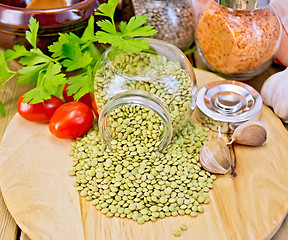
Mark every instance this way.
x=282 y=112
x=215 y=156
x=279 y=101
x=269 y=87
x=251 y=133
x=274 y=92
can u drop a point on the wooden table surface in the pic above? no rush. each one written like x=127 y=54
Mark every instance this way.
x=9 y=96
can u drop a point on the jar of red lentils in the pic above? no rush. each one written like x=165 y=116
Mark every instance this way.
x=238 y=39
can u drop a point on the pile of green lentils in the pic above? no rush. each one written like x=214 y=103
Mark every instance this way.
x=133 y=179
x=139 y=184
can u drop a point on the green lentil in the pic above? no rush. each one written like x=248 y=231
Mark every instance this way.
x=183 y=227
x=71 y=173
x=201 y=208
x=144 y=186
x=193 y=214
x=177 y=233
x=141 y=220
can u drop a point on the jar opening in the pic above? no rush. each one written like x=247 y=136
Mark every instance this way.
x=136 y=100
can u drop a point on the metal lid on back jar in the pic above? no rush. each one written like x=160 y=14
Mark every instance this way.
x=227 y=104
x=243 y=4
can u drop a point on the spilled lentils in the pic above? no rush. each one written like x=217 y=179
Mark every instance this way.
x=173 y=19
x=151 y=73
x=143 y=185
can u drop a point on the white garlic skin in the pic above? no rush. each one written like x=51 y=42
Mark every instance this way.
x=250 y=133
x=275 y=94
x=215 y=156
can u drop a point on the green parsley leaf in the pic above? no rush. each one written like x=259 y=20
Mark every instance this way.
x=81 y=84
x=2 y=110
x=31 y=35
x=124 y=40
x=107 y=26
x=140 y=32
x=64 y=38
x=98 y=64
x=75 y=58
x=95 y=54
x=87 y=42
x=17 y=52
x=89 y=32
x=122 y=26
x=5 y=73
x=36 y=95
x=29 y=75
x=131 y=45
x=133 y=28
x=34 y=57
x=54 y=79
x=74 y=51
x=107 y=9
x=50 y=82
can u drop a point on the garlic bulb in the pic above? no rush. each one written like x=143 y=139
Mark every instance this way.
x=215 y=156
x=251 y=133
x=274 y=94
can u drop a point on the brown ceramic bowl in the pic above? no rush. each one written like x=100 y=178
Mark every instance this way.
x=14 y=21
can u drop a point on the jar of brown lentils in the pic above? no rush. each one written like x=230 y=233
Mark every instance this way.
x=173 y=20
x=238 y=39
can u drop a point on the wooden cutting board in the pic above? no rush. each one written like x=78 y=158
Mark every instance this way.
x=41 y=197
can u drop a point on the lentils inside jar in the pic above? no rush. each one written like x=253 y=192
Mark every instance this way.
x=173 y=19
x=237 y=41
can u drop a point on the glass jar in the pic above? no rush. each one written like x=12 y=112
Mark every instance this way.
x=149 y=94
x=238 y=39
x=173 y=19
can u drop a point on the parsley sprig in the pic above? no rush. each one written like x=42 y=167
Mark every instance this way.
x=128 y=31
x=71 y=53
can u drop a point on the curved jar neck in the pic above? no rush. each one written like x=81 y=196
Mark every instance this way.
x=243 y=4
x=139 y=98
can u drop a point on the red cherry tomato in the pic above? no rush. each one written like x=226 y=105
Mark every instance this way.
x=39 y=112
x=87 y=98
x=71 y=120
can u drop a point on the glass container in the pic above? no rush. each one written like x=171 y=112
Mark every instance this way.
x=238 y=39
x=156 y=88
x=173 y=19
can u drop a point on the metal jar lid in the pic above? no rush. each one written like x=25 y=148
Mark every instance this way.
x=229 y=102
x=243 y=4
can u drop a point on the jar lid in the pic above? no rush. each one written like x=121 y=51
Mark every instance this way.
x=243 y=4
x=229 y=101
